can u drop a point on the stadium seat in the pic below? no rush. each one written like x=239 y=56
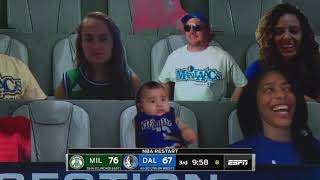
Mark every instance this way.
x=120 y=12
x=31 y=16
x=64 y=53
x=56 y=127
x=229 y=17
x=317 y=38
x=252 y=54
x=13 y=47
x=127 y=125
x=234 y=130
x=161 y=50
x=314 y=118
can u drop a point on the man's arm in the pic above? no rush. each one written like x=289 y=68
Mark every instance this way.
x=33 y=90
x=136 y=82
x=236 y=94
x=59 y=93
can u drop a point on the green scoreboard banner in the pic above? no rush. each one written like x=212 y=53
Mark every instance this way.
x=160 y=160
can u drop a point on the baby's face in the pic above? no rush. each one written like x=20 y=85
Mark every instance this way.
x=154 y=102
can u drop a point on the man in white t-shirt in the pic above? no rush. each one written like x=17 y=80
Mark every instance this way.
x=200 y=72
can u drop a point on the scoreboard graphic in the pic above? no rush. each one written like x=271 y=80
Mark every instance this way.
x=160 y=160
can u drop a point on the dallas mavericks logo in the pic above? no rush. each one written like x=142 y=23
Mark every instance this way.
x=154 y=125
x=130 y=161
x=9 y=86
x=205 y=75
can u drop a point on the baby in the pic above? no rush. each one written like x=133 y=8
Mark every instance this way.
x=156 y=124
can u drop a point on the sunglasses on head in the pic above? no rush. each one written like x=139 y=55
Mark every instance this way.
x=195 y=27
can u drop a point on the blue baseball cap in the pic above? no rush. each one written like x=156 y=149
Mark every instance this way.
x=197 y=15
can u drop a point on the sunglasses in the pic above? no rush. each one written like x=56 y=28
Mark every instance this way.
x=195 y=27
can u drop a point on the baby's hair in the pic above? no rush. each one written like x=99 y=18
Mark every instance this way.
x=147 y=85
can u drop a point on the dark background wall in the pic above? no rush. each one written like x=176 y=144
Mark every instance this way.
x=3 y=14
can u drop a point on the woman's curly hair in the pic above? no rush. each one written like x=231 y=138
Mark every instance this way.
x=265 y=34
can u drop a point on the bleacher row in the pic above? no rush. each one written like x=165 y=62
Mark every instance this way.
x=40 y=29
x=59 y=125
x=39 y=36
x=63 y=56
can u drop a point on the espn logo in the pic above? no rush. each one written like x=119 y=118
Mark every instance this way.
x=237 y=162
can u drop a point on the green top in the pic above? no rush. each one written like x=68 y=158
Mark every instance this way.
x=77 y=86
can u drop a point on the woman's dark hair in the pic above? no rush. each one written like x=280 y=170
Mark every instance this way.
x=147 y=85
x=251 y=123
x=302 y=67
x=265 y=35
x=117 y=66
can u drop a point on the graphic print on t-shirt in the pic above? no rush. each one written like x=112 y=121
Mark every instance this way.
x=158 y=131
x=9 y=86
x=206 y=75
x=158 y=126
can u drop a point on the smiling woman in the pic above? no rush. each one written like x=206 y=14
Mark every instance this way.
x=101 y=72
x=287 y=42
x=273 y=117
x=288 y=36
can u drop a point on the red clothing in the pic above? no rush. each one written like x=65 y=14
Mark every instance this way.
x=153 y=14
x=15 y=141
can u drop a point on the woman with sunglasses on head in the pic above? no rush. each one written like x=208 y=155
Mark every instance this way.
x=286 y=41
x=199 y=71
x=273 y=117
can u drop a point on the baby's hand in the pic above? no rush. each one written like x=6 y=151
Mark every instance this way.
x=177 y=145
x=189 y=135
